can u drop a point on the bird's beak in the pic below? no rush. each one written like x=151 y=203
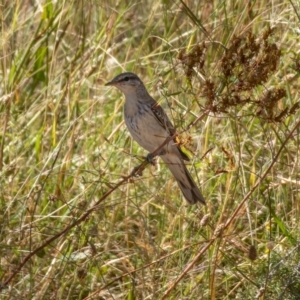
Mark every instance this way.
x=109 y=83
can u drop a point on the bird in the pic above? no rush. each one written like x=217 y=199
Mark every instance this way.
x=150 y=126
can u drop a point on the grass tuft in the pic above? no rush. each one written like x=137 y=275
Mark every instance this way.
x=75 y=223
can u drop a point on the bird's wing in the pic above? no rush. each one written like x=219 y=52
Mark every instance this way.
x=162 y=118
x=165 y=122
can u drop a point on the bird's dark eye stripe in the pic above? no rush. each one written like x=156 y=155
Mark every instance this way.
x=127 y=78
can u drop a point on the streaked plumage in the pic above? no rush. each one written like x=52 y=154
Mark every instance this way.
x=149 y=126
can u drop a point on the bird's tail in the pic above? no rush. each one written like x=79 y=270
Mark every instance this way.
x=187 y=185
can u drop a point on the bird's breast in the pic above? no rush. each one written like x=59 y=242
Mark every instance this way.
x=144 y=128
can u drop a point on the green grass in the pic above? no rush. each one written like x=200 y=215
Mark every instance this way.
x=64 y=147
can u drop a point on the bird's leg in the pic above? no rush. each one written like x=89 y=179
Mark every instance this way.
x=151 y=160
x=137 y=171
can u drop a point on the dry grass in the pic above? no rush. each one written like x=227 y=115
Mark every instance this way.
x=75 y=224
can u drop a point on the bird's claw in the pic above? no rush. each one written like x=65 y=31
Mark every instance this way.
x=137 y=171
x=151 y=160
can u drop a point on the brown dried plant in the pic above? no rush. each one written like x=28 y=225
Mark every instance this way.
x=246 y=66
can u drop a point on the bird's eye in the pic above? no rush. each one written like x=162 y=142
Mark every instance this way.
x=126 y=78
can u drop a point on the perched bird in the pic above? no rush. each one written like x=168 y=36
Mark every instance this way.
x=149 y=126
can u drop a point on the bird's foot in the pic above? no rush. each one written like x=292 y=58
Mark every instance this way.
x=151 y=160
x=137 y=171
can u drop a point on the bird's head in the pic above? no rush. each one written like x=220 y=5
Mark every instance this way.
x=127 y=83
